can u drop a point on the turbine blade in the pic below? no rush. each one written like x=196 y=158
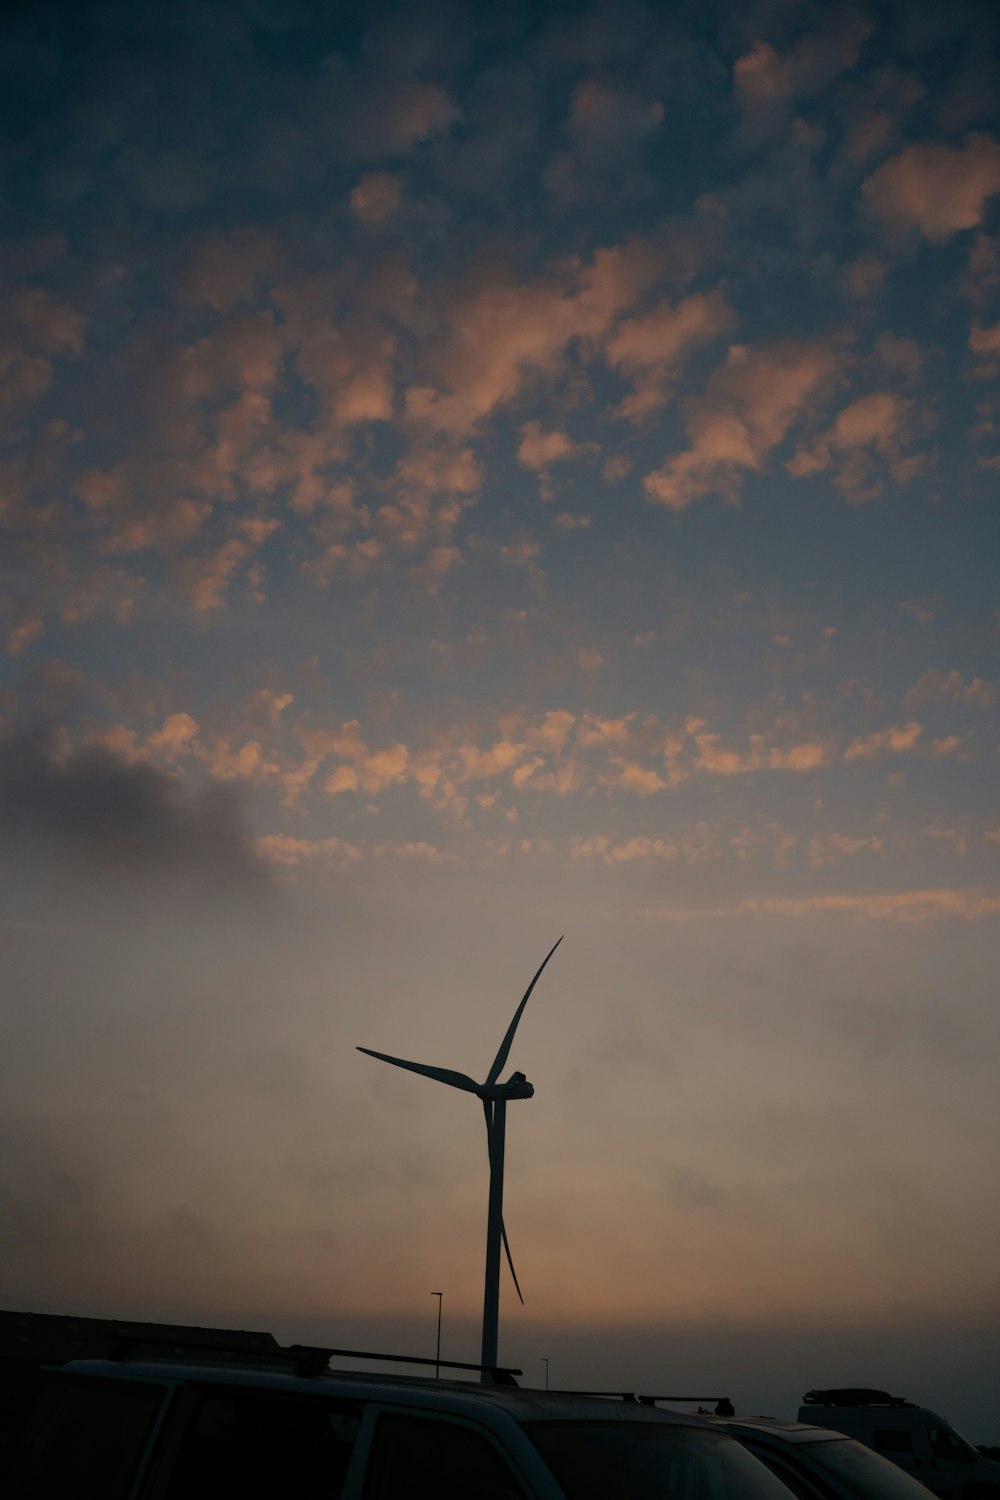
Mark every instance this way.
x=443 y=1075
x=505 y=1045
x=510 y=1262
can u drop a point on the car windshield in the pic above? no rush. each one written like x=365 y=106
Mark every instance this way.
x=650 y=1461
x=863 y=1471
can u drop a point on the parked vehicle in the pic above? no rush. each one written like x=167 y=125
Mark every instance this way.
x=918 y=1440
x=159 y=1429
x=819 y=1464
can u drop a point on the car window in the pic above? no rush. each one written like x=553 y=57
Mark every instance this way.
x=947 y=1445
x=83 y=1438
x=790 y=1475
x=893 y=1440
x=256 y=1445
x=864 y=1471
x=595 y=1460
x=420 y=1458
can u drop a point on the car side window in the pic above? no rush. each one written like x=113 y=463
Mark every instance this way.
x=84 y=1438
x=420 y=1458
x=788 y=1476
x=259 y=1444
x=802 y=1481
x=946 y=1445
x=892 y=1440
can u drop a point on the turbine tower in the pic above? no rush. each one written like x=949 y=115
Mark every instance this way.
x=494 y=1096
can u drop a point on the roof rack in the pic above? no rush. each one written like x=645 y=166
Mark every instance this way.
x=723 y=1405
x=306 y=1359
x=611 y=1395
x=310 y=1356
x=853 y=1396
x=722 y=1402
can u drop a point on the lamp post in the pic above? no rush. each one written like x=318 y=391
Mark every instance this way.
x=437 y=1357
x=546 y=1364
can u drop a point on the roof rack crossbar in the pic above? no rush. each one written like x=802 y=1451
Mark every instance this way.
x=683 y=1398
x=309 y=1355
x=610 y=1395
x=307 y=1359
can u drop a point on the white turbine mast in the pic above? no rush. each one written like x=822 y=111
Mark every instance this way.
x=494 y=1096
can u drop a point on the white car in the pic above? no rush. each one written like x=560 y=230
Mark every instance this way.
x=285 y=1425
x=915 y=1438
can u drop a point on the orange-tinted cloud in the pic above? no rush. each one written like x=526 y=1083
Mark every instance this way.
x=650 y=349
x=970 y=904
x=749 y=406
x=763 y=76
x=871 y=431
x=892 y=741
x=937 y=190
x=984 y=343
x=935 y=684
x=376 y=198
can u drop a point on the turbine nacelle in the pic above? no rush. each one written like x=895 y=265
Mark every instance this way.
x=516 y=1087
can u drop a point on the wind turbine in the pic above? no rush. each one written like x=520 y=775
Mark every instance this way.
x=494 y=1096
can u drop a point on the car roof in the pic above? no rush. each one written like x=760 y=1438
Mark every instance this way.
x=457 y=1397
x=792 y=1432
x=882 y=1416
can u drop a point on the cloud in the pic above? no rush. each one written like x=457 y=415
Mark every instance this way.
x=764 y=77
x=223 y=270
x=749 y=405
x=694 y=847
x=604 y=118
x=376 y=198
x=935 y=684
x=937 y=190
x=605 y=132
x=718 y=759
x=632 y=777
x=501 y=334
x=27 y=629
x=287 y=851
x=984 y=343
x=892 y=741
x=982 y=271
x=372 y=112
x=833 y=846
x=868 y=432
x=206 y=577
x=350 y=365
x=36 y=328
x=103 y=813
x=538 y=449
x=433 y=482
x=651 y=349
x=176 y=737
x=971 y=904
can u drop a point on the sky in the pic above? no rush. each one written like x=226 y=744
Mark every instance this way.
x=470 y=475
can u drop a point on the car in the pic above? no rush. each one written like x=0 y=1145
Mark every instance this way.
x=159 y=1428
x=817 y=1463
x=915 y=1438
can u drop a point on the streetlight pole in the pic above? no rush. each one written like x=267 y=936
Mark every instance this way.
x=437 y=1358
x=546 y=1364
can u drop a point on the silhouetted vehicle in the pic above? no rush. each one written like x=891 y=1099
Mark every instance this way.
x=131 y=1429
x=918 y=1440
x=819 y=1464
x=29 y=1341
